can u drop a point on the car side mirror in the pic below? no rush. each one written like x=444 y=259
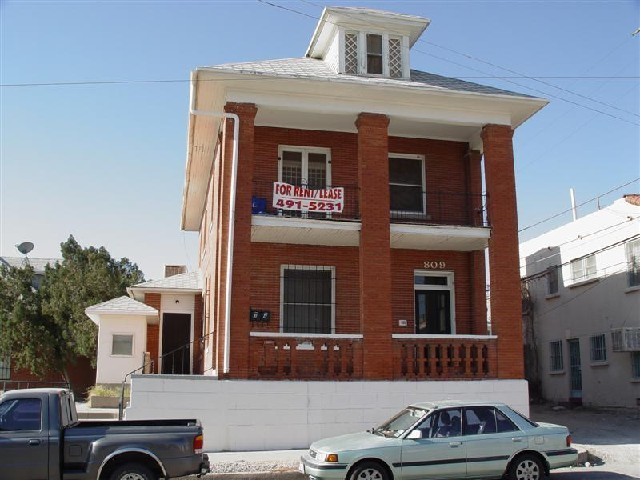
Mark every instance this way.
x=415 y=434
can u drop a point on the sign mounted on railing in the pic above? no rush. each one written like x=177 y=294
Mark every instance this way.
x=292 y=197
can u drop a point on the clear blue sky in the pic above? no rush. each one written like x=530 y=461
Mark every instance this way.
x=105 y=162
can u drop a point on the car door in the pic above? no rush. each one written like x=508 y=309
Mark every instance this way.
x=440 y=453
x=491 y=439
x=24 y=446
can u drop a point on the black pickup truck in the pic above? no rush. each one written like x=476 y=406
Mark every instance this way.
x=41 y=438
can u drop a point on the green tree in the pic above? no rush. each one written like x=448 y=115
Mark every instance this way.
x=47 y=329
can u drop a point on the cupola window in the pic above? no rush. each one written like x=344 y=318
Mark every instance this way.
x=374 y=54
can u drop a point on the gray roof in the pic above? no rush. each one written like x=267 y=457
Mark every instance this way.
x=38 y=264
x=121 y=305
x=183 y=281
x=314 y=69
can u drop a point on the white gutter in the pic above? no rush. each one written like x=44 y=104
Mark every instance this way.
x=232 y=214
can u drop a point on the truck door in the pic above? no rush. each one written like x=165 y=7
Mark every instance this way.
x=24 y=441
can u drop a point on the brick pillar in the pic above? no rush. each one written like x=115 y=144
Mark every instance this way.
x=476 y=258
x=153 y=331
x=375 y=249
x=506 y=316
x=241 y=278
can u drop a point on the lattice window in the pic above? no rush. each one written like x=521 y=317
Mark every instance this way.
x=351 y=53
x=308 y=298
x=395 y=58
x=598 y=348
x=556 y=363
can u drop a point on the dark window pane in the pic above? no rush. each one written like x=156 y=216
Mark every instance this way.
x=408 y=199
x=374 y=65
x=429 y=280
x=405 y=170
x=374 y=44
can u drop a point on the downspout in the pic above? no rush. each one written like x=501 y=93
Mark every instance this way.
x=232 y=214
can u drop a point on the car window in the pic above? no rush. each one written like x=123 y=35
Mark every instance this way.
x=504 y=424
x=447 y=423
x=21 y=414
x=401 y=422
x=479 y=420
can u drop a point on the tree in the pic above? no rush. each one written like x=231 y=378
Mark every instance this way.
x=47 y=329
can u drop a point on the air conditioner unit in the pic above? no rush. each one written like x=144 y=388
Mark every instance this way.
x=625 y=339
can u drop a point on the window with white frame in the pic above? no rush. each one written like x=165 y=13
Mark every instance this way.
x=552 y=280
x=584 y=268
x=305 y=166
x=374 y=53
x=633 y=263
x=122 y=344
x=598 y=348
x=635 y=365
x=5 y=369
x=407 y=184
x=307 y=299
x=556 y=362
x=434 y=302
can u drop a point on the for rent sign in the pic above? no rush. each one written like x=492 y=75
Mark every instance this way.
x=291 y=197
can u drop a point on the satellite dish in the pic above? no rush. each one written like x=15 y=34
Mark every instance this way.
x=25 y=247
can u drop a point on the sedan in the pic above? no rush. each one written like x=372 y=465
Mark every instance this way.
x=445 y=440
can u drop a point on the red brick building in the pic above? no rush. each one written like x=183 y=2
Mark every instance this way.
x=345 y=204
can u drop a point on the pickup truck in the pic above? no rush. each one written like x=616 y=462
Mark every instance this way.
x=41 y=438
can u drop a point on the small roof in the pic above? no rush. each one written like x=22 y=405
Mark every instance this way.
x=123 y=305
x=184 y=281
x=38 y=264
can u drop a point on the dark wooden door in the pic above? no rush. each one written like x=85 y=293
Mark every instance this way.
x=176 y=347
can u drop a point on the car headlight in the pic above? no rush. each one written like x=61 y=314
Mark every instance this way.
x=331 y=458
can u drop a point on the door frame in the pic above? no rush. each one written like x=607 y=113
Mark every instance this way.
x=191 y=325
x=450 y=287
x=575 y=371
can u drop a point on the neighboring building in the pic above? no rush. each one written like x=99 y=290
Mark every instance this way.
x=38 y=264
x=156 y=329
x=583 y=286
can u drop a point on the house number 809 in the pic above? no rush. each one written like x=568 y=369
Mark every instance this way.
x=434 y=265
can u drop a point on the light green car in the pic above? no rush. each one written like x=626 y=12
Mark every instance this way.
x=445 y=440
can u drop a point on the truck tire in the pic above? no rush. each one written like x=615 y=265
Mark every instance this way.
x=133 y=471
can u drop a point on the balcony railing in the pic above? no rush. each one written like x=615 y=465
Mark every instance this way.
x=447 y=358
x=438 y=208
x=263 y=204
x=310 y=357
x=445 y=208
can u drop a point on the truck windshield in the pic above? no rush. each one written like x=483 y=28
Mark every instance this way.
x=401 y=422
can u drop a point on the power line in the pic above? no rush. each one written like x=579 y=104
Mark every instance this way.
x=580 y=205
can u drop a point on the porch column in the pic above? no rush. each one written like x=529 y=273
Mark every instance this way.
x=375 y=249
x=478 y=325
x=506 y=315
x=241 y=267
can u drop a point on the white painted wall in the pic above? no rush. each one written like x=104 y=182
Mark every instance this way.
x=110 y=368
x=270 y=415
x=582 y=310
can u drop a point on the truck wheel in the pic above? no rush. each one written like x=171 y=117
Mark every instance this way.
x=133 y=471
x=369 y=471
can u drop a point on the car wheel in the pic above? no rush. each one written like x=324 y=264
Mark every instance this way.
x=369 y=471
x=526 y=467
x=133 y=471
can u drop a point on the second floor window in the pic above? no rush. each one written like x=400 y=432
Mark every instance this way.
x=305 y=166
x=552 y=280
x=406 y=185
x=633 y=263
x=584 y=268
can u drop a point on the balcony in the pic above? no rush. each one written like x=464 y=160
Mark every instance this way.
x=453 y=221
x=445 y=357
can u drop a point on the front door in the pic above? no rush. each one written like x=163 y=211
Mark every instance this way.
x=575 y=371
x=433 y=311
x=176 y=346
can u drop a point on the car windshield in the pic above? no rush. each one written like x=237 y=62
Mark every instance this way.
x=401 y=422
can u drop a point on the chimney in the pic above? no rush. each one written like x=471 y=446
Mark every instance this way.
x=171 y=270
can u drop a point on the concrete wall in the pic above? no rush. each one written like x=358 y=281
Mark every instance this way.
x=240 y=415
x=113 y=368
